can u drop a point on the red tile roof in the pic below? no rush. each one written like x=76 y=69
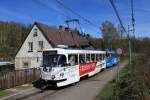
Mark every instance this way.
x=68 y=37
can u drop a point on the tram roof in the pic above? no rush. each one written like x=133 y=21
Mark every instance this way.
x=69 y=51
x=110 y=52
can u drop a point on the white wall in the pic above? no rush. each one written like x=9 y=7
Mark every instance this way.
x=31 y=57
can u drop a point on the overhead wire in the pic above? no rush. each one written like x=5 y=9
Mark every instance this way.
x=38 y=2
x=77 y=14
x=118 y=16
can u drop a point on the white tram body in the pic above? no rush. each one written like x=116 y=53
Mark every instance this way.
x=62 y=67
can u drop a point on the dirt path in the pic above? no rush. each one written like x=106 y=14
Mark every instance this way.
x=84 y=90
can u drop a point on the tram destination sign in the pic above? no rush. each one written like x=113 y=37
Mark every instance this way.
x=54 y=52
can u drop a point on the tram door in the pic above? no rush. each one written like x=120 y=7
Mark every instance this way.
x=73 y=69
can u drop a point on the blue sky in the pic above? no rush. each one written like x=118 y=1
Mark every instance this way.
x=97 y=11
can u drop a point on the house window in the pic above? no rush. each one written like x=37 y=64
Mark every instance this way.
x=25 y=64
x=37 y=59
x=35 y=32
x=41 y=45
x=30 y=47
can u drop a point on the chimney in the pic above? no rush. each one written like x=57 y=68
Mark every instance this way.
x=60 y=27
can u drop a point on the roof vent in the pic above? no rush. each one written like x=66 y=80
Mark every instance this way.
x=67 y=28
x=62 y=46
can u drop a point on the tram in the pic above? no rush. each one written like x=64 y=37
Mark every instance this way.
x=62 y=67
x=111 y=58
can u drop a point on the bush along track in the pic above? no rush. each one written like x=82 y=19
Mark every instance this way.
x=133 y=82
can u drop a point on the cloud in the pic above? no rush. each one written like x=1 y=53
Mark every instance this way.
x=143 y=9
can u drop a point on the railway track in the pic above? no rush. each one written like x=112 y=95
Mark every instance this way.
x=78 y=92
x=29 y=93
x=34 y=93
x=38 y=94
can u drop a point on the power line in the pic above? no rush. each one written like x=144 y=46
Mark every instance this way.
x=75 y=13
x=46 y=6
x=118 y=16
x=38 y=2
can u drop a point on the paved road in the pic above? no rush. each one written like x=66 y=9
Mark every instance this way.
x=84 y=90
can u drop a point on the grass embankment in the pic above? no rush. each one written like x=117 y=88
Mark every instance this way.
x=133 y=84
x=109 y=90
x=3 y=93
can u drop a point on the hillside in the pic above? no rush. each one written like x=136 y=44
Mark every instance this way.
x=12 y=35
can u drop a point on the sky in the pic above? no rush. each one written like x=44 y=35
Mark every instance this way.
x=96 y=11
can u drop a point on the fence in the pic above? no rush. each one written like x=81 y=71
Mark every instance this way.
x=18 y=77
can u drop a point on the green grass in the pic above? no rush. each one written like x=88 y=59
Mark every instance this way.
x=108 y=91
x=124 y=72
x=3 y=93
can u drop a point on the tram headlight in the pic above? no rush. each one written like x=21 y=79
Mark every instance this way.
x=53 y=76
x=61 y=74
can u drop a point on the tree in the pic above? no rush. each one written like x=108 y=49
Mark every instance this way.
x=12 y=35
x=113 y=37
x=108 y=30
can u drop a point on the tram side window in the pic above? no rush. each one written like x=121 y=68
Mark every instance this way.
x=62 y=61
x=103 y=57
x=73 y=59
x=82 y=58
x=88 y=58
x=97 y=57
x=100 y=57
x=93 y=57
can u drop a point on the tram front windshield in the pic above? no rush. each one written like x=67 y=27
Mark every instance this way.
x=54 y=60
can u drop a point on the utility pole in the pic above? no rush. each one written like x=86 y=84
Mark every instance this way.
x=130 y=49
x=127 y=32
x=133 y=19
x=133 y=28
x=129 y=38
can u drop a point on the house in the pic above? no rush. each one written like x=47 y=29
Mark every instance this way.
x=42 y=37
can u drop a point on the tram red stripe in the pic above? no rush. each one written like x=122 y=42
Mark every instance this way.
x=86 y=68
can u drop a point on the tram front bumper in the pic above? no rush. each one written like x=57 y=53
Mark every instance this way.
x=52 y=82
